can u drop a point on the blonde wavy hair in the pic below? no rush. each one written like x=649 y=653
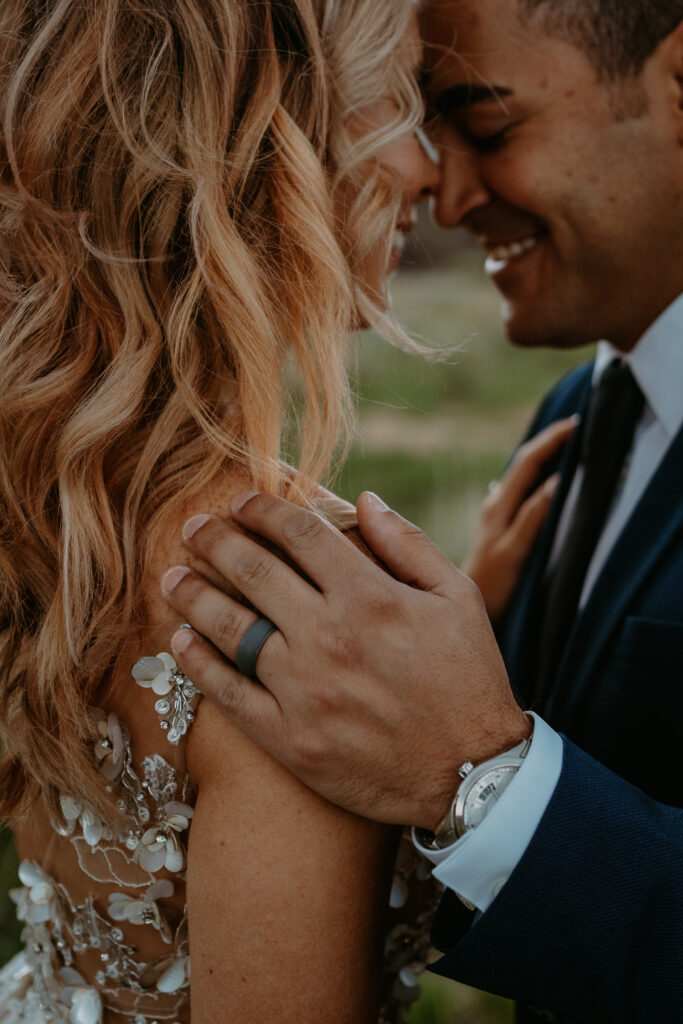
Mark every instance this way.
x=169 y=174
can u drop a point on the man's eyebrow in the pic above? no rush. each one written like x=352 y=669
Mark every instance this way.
x=459 y=97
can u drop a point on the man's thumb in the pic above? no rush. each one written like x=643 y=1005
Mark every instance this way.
x=405 y=550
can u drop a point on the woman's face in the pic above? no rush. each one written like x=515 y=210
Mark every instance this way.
x=409 y=163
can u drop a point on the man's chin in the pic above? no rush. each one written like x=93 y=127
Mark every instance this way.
x=526 y=328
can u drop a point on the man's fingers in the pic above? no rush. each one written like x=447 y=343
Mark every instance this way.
x=405 y=549
x=250 y=706
x=322 y=552
x=531 y=518
x=267 y=581
x=526 y=467
x=218 y=617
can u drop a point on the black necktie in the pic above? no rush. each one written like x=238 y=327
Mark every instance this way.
x=607 y=435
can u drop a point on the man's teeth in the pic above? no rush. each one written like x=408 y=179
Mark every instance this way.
x=501 y=253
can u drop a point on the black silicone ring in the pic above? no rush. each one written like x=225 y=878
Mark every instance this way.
x=251 y=644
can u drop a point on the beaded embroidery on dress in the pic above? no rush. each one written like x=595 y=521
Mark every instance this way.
x=78 y=964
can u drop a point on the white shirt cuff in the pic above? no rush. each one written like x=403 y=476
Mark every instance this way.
x=479 y=864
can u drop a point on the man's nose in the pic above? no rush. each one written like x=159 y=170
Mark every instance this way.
x=461 y=188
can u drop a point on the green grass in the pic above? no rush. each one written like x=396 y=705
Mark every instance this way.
x=445 y=1002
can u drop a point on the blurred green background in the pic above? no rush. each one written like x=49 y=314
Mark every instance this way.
x=430 y=438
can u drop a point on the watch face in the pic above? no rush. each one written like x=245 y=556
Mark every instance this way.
x=484 y=792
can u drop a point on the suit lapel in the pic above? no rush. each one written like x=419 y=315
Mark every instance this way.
x=525 y=606
x=655 y=523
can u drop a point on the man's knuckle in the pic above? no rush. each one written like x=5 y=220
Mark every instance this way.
x=225 y=693
x=505 y=546
x=534 y=450
x=250 y=569
x=211 y=536
x=309 y=750
x=260 y=504
x=379 y=606
x=302 y=526
x=265 y=502
x=413 y=532
x=228 y=629
x=414 y=536
x=341 y=645
x=490 y=502
x=519 y=458
x=325 y=702
x=509 y=554
x=469 y=588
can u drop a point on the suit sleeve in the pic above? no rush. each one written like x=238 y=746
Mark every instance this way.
x=590 y=923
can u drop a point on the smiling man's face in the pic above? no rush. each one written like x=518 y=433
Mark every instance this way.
x=573 y=187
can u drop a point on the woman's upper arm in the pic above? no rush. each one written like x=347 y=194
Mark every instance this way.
x=286 y=893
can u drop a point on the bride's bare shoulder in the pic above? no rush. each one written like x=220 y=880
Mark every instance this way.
x=272 y=866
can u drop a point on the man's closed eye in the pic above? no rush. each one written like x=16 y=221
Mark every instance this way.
x=489 y=142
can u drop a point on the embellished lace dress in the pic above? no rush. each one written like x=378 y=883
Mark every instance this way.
x=112 y=945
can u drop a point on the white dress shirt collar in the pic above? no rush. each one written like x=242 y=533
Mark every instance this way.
x=657 y=364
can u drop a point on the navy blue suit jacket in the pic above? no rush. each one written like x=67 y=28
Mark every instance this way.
x=589 y=928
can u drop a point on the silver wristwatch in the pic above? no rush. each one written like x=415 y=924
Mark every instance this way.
x=481 y=788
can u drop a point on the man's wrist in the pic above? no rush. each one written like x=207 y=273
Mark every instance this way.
x=479 y=864
x=479 y=789
x=476 y=753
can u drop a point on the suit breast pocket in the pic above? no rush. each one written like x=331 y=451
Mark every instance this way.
x=654 y=642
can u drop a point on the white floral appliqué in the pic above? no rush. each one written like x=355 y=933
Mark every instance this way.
x=161 y=844
x=37 y=901
x=84 y=1002
x=123 y=907
x=177 y=695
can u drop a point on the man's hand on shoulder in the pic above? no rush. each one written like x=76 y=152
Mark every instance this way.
x=374 y=690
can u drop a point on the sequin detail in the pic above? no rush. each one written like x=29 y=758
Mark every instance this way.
x=178 y=697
